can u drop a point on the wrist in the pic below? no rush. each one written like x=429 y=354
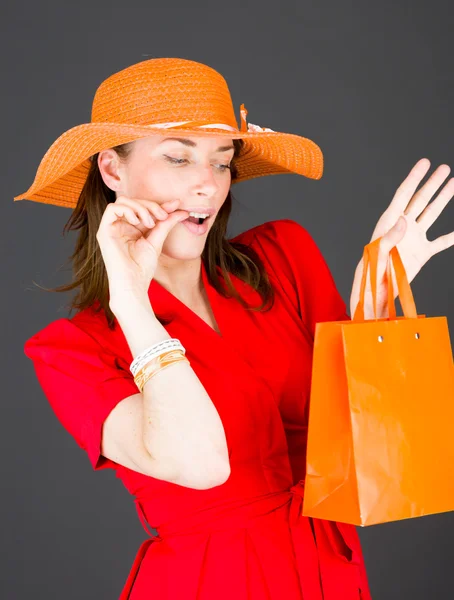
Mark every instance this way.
x=125 y=305
x=139 y=324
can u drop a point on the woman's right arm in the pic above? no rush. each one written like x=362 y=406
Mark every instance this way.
x=171 y=430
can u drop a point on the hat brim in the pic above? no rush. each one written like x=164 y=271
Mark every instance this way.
x=63 y=170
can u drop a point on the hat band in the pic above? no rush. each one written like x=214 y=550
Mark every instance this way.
x=245 y=126
x=180 y=123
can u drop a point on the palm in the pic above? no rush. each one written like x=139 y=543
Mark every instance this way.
x=414 y=248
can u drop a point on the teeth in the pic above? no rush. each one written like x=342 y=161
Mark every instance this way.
x=198 y=215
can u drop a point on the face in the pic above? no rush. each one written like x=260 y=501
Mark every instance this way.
x=194 y=169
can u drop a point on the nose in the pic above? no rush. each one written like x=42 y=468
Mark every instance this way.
x=205 y=182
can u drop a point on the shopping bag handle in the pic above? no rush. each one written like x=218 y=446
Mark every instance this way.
x=370 y=259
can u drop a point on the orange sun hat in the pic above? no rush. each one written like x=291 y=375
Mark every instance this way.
x=177 y=96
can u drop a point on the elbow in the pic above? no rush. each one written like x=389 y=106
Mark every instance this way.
x=204 y=476
x=220 y=473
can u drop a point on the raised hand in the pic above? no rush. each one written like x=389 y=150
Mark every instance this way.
x=404 y=224
x=131 y=235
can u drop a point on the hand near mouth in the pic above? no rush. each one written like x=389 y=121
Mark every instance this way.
x=131 y=235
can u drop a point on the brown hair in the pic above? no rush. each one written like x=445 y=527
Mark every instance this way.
x=89 y=272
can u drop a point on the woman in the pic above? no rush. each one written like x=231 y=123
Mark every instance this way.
x=187 y=366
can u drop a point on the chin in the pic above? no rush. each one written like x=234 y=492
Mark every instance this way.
x=181 y=250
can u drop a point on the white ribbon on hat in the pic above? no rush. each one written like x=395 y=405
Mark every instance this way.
x=168 y=125
x=251 y=126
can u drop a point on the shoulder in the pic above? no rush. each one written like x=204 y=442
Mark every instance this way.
x=277 y=229
x=295 y=261
x=65 y=329
x=285 y=245
x=284 y=238
x=73 y=338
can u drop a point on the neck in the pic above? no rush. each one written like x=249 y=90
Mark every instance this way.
x=182 y=278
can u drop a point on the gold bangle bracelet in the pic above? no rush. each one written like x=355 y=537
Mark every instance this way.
x=157 y=364
x=150 y=372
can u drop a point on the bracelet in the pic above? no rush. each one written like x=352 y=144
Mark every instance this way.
x=154 y=351
x=158 y=364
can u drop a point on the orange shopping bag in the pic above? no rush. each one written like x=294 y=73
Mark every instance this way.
x=380 y=443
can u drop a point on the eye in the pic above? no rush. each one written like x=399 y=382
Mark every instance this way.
x=180 y=161
x=175 y=161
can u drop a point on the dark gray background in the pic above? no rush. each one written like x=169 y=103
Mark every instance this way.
x=370 y=82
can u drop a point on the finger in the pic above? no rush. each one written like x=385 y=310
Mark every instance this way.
x=431 y=213
x=157 y=211
x=158 y=235
x=115 y=211
x=408 y=186
x=141 y=210
x=442 y=243
x=422 y=198
x=171 y=205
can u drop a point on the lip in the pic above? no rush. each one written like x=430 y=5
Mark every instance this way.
x=203 y=228
x=201 y=209
x=194 y=228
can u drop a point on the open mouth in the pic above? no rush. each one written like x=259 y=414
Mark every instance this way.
x=197 y=220
x=197 y=225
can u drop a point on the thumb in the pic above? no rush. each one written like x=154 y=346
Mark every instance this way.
x=160 y=231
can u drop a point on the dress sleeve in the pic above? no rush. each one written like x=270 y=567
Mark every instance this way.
x=82 y=381
x=300 y=261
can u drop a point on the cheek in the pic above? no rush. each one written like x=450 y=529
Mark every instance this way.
x=224 y=187
x=225 y=184
x=155 y=183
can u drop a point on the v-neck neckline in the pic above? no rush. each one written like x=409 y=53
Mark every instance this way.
x=230 y=315
x=210 y=295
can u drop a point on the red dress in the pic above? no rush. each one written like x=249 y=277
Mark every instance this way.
x=245 y=539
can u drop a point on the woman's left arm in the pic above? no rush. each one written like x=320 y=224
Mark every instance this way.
x=404 y=224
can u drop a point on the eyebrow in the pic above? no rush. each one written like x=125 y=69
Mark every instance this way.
x=188 y=142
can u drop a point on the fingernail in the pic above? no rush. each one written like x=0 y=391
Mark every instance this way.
x=400 y=224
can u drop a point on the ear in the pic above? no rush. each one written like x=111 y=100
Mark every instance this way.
x=111 y=169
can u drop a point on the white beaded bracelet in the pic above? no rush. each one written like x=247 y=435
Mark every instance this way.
x=154 y=351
